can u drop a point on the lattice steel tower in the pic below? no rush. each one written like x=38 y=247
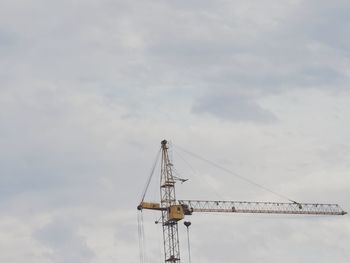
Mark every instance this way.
x=168 y=200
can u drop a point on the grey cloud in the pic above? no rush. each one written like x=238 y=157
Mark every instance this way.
x=63 y=239
x=326 y=22
x=175 y=45
x=299 y=53
x=266 y=237
x=233 y=107
x=126 y=232
x=317 y=76
x=6 y=39
x=51 y=150
x=204 y=52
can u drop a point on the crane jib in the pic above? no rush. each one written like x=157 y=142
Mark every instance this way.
x=260 y=207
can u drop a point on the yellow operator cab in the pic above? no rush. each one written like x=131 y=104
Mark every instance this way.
x=176 y=213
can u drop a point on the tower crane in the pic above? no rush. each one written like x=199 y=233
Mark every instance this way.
x=173 y=210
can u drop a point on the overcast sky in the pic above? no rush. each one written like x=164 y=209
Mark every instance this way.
x=88 y=89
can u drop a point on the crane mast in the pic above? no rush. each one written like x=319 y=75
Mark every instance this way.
x=175 y=210
x=168 y=200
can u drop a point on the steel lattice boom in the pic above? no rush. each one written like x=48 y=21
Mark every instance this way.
x=191 y=206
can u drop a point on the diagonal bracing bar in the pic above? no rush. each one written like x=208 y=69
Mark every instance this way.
x=191 y=206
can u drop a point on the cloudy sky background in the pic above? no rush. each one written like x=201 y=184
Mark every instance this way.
x=88 y=89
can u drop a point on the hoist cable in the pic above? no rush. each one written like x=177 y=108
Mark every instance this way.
x=141 y=232
x=188 y=245
x=141 y=237
x=234 y=174
x=150 y=177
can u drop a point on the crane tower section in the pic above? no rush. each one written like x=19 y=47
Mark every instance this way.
x=171 y=213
